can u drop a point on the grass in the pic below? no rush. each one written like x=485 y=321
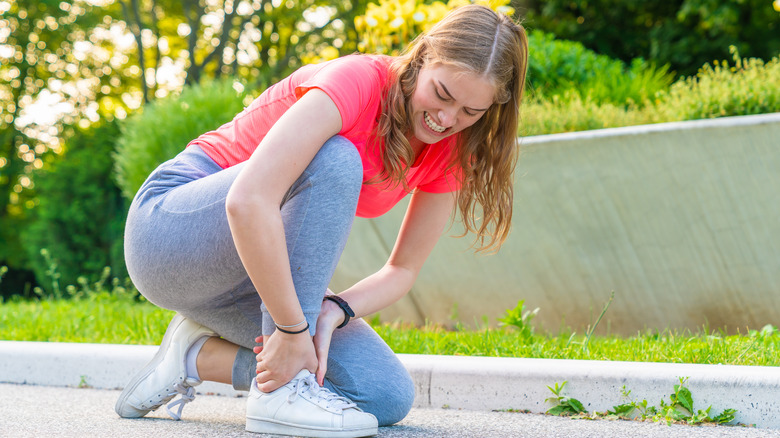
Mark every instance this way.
x=122 y=317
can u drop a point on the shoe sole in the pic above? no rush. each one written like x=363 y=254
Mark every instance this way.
x=264 y=425
x=144 y=373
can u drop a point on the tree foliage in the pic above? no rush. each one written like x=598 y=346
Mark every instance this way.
x=81 y=213
x=256 y=40
x=166 y=125
x=685 y=34
x=75 y=62
x=40 y=60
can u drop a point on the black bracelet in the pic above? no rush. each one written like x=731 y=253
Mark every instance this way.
x=290 y=332
x=348 y=312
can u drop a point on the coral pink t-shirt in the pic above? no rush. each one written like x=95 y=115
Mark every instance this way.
x=355 y=83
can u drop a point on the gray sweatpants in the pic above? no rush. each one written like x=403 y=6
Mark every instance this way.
x=180 y=255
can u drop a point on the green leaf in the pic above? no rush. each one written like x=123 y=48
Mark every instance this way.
x=559 y=410
x=576 y=405
x=622 y=410
x=685 y=398
x=727 y=416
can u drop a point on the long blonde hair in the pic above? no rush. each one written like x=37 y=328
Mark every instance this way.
x=480 y=41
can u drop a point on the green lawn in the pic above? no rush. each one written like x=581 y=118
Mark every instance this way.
x=120 y=318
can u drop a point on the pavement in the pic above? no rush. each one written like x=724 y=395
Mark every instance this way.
x=61 y=389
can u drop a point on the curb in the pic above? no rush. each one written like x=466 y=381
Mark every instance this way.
x=454 y=382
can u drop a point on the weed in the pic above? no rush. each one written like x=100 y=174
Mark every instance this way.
x=598 y=320
x=563 y=405
x=679 y=409
x=513 y=411
x=52 y=273
x=591 y=327
x=520 y=319
x=83 y=382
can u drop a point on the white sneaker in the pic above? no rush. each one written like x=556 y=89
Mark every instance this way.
x=304 y=408
x=165 y=375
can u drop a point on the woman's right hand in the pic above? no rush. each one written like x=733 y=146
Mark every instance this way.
x=282 y=357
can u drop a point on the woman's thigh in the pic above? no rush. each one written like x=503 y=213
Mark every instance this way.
x=178 y=244
x=180 y=251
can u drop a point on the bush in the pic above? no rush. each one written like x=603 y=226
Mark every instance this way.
x=80 y=216
x=557 y=66
x=682 y=33
x=570 y=112
x=748 y=87
x=165 y=127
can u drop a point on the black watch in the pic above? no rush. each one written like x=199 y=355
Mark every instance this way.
x=348 y=312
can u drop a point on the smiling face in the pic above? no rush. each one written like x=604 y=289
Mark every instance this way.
x=447 y=100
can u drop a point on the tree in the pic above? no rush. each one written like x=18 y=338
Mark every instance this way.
x=683 y=33
x=256 y=40
x=71 y=63
x=38 y=56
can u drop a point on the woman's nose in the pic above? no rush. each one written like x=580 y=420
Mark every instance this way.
x=446 y=117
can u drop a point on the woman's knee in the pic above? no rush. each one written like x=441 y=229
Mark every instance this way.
x=393 y=399
x=338 y=163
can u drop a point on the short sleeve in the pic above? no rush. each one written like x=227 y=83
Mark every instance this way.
x=353 y=82
x=447 y=181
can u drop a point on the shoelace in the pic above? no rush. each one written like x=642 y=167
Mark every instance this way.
x=187 y=395
x=323 y=395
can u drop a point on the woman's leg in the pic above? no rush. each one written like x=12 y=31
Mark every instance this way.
x=362 y=368
x=180 y=252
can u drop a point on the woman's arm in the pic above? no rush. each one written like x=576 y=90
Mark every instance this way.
x=423 y=224
x=425 y=220
x=256 y=225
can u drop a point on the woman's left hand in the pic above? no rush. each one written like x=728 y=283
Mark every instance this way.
x=331 y=316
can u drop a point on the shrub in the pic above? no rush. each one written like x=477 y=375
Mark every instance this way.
x=80 y=216
x=165 y=127
x=557 y=66
x=750 y=86
x=570 y=112
x=682 y=33
x=746 y=88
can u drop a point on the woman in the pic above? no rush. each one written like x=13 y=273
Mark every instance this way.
x=241 y=232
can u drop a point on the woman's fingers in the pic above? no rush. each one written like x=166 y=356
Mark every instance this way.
x=321 y=347
x=330 y=317
x=282 y=357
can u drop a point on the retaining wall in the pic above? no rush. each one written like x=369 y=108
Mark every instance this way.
x=680 y=220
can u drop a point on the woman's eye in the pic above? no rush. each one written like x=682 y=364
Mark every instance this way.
x=469 y=113
x=435 y=90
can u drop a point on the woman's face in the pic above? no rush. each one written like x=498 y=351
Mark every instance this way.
x=448 y=100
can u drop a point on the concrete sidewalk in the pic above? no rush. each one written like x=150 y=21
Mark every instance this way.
x=458 y=383
x=45 y=411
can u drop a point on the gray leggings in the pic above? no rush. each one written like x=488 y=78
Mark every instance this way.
x=180 y=255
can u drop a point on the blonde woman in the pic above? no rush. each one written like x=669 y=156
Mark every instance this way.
x=241 y=232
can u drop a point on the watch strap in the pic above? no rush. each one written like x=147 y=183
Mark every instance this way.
x=348 y=312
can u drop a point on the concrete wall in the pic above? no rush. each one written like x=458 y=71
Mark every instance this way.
x=680 y=220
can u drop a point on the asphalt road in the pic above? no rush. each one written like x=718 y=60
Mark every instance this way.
x=43 y=411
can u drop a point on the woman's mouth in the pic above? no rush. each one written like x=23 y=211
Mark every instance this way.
x=432 y=125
